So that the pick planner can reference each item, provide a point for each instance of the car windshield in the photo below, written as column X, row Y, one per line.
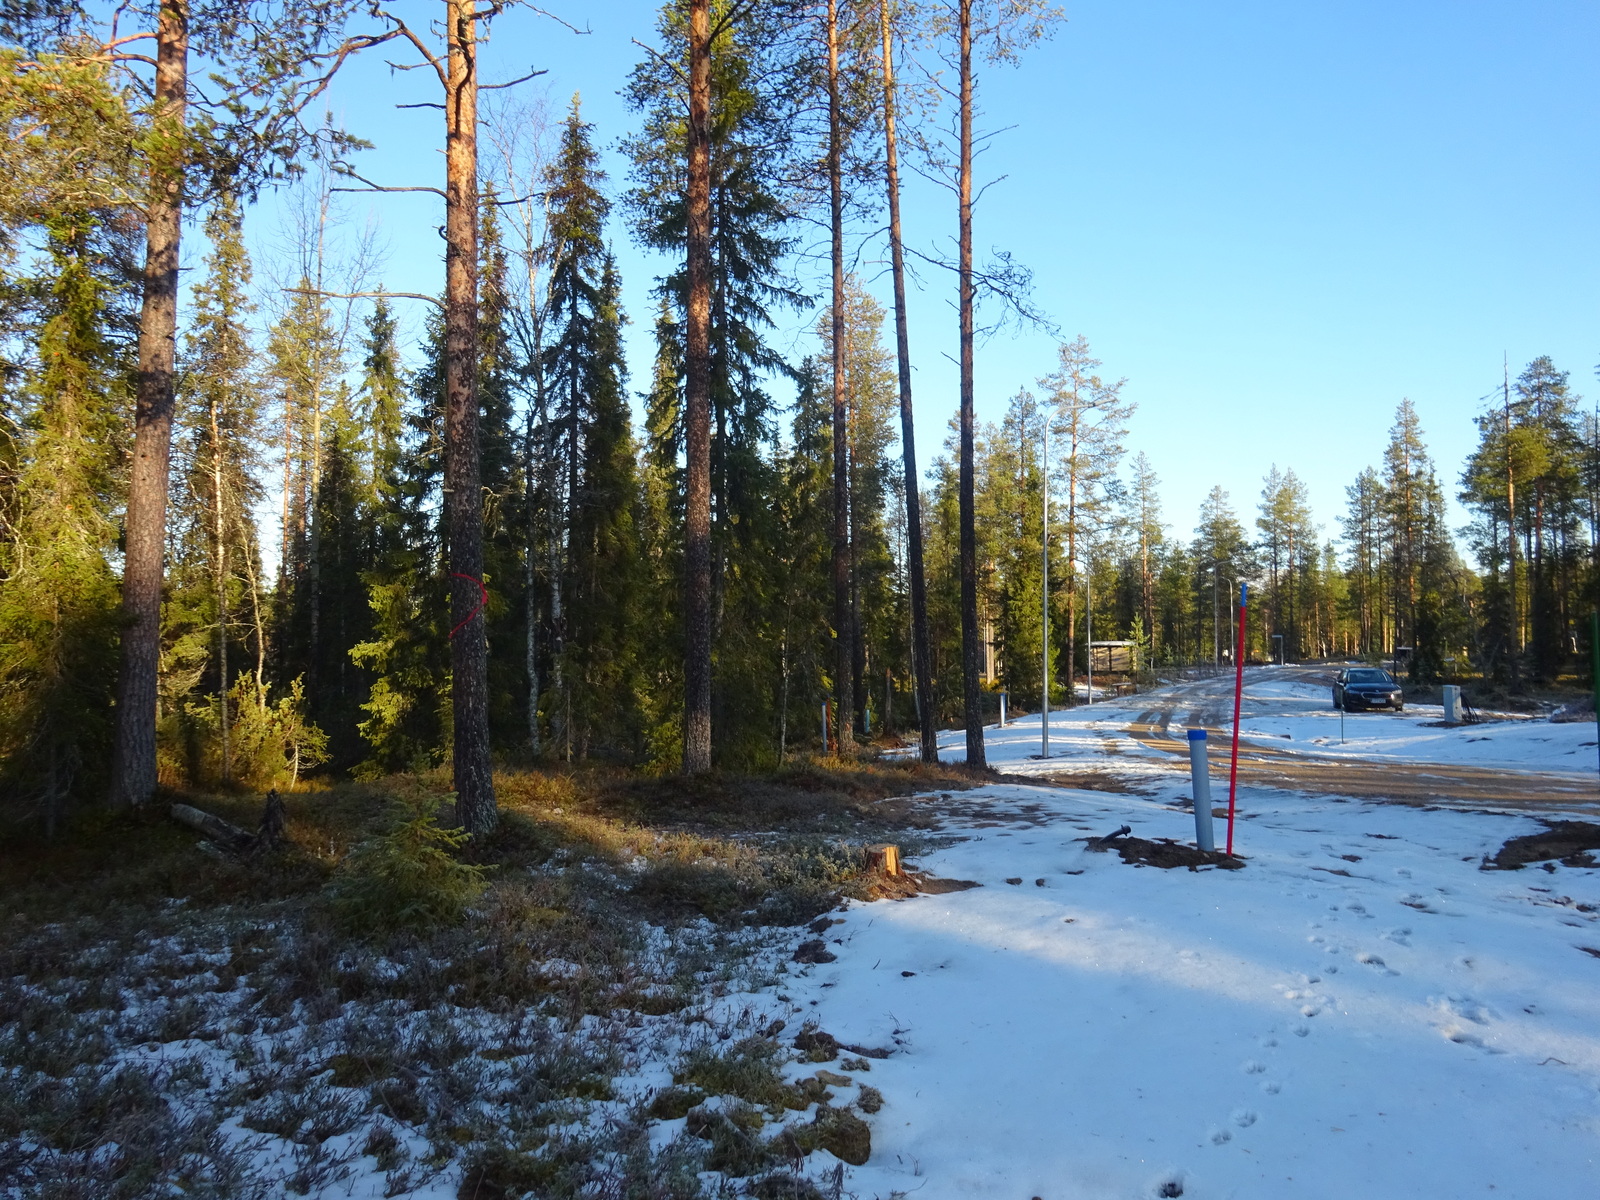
column 1372, row 676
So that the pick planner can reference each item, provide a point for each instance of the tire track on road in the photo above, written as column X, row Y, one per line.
column 1418, row 785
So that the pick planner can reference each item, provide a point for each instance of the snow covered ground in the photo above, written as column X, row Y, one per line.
column 1359, row 1012
column 1303, row 713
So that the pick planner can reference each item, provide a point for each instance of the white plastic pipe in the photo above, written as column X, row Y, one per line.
column 1200, row 777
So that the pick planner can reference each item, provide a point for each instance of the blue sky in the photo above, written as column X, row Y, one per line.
column 1275, row 219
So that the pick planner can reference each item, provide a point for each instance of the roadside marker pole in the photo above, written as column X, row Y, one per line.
column 1200, row 778
column 1238, row 697
column 1594, row 654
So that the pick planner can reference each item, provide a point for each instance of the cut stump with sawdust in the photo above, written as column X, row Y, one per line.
column 884, row 858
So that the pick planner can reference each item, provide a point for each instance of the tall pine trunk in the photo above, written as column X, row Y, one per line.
column 469, row 685
column 843, row 614
column 697, row 403
column 133, row 763
column 970, row 650
column 921, row 666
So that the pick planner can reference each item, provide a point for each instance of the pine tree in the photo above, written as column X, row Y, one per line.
column 1088, row 422
column 1222, row 558
column 1411, row 504
column 1288, row 537
column 867, row 392
column 1366, row 567
column 1145, row 516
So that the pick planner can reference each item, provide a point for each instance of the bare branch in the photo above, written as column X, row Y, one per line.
column 663, row 60
column 379, row 295
column 428, row 55
column 490, row 87
column 344, row 169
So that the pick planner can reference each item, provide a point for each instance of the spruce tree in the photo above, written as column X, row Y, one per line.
column 805, row 510
column 215, row 621
column 58, row 595
column 501, row 468
column 753, row 81
column 571, row 371
column 305, row 367
column 604, row 560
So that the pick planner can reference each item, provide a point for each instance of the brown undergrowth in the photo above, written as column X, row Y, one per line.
column 159, row 996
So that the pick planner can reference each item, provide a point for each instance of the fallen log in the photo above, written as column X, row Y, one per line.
column 225, row 834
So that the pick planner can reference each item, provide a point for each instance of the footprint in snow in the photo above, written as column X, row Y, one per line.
column 1252, row 1067
column 1271, row 1087
column 1244, row 1118
column 1398, row 936
column 1372, row 960
column 1221, row 1137
column 1301, row 1030
column 1465, row 1007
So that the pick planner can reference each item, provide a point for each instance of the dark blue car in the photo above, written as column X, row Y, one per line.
column 1356, row 688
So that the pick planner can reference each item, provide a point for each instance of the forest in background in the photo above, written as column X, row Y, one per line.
column 315, row 594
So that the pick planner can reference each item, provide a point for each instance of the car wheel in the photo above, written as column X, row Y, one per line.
column 1399, row 708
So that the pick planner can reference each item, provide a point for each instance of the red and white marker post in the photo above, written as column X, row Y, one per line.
column 1238, row 697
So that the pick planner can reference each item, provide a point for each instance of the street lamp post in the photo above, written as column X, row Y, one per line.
column 1216, row 640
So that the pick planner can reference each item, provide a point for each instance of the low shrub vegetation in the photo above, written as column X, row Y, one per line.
column 379, row 999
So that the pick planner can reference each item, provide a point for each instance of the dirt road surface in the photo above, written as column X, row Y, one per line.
column 1208, row 703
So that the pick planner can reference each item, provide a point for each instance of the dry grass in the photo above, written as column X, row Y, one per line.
column 155, row 993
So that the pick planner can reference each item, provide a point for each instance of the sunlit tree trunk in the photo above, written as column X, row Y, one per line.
column 843, row 623
column 697, row 403
column 469, row 686
column 133, row 764
column 921, row 667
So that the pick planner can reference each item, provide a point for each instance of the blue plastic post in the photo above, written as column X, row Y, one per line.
column 1200, row 777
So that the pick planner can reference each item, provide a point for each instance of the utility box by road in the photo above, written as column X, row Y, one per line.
column 1452, row 704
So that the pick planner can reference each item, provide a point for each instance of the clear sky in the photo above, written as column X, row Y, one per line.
column 1274, row 218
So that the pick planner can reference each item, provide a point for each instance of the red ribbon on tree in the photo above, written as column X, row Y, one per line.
column 483, row 599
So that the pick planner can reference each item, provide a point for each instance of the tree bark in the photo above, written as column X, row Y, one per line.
column 133, row 763
column 921, row 667
column 843, row 624
column 969, row 534
column 697, row 403
column 469, row 685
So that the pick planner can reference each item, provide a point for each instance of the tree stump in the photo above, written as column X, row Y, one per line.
column 884, row 858
column 273, row 821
